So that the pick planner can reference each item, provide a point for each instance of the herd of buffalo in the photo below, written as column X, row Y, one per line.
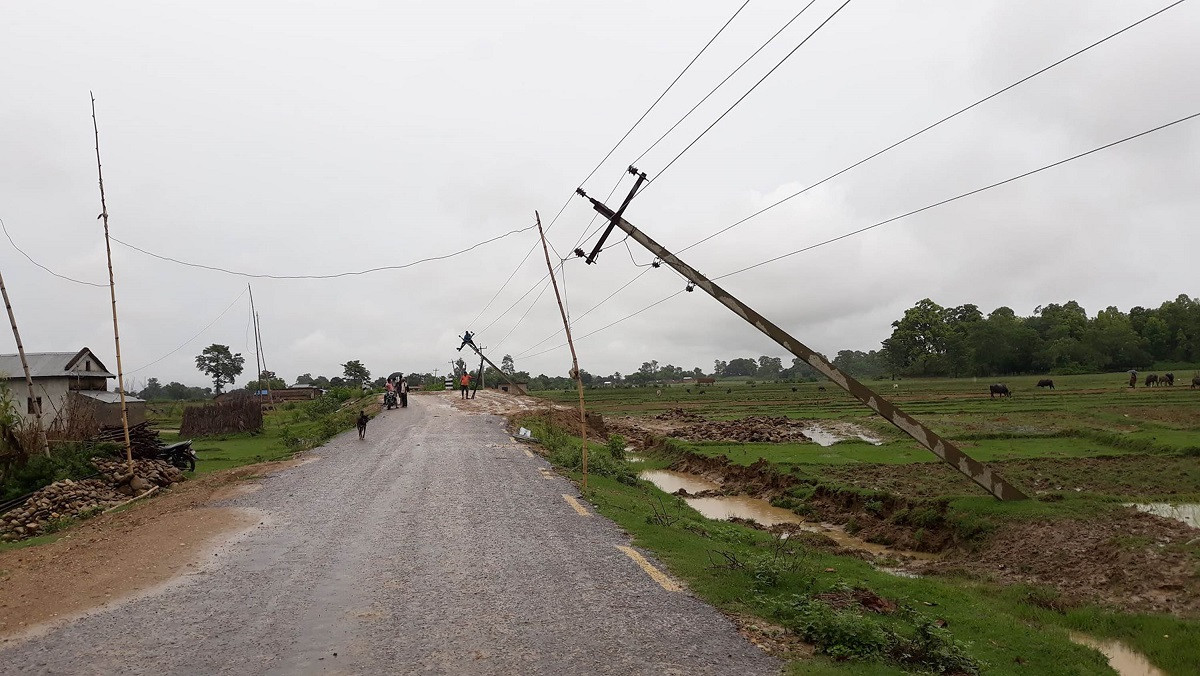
column 1152, row 380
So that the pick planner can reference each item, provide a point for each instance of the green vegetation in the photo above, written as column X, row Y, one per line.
column 66, row 461
column 1081, row 450
column 293, row 427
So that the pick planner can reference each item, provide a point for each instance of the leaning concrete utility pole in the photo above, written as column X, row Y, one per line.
column 33, row 399
column 112, row 290
column 567, row 327
column 973, row 469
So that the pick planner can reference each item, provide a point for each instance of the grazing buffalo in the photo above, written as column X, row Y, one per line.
column 728, row 390
column 1152, row 380
column 1046, row 382
column 1195, row 382
column 1001, row 390
column 1169, row 379
column 706, row 381
column 821, row 388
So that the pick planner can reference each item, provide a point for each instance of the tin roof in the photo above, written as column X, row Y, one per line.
column 50, row 365
column 106, row 397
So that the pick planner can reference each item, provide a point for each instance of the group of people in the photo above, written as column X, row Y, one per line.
column 399, row 387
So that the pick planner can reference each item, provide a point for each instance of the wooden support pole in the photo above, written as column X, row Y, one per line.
column 571, row 343
column 43, row 442
column 942, row 448
column 112, row 291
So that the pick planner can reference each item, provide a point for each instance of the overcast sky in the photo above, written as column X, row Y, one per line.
column 315, row 138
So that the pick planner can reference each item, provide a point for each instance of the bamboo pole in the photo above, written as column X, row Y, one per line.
column 33, row 400
column 112, row 290
column 571, row 343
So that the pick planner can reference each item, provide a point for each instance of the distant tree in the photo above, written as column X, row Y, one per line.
column 356, row 373
column 305, row 379
column 275, row 383
column 507, row 365
column 719, row 368
column 338, row 381
column 218, row 363
column 742, row 366
column 152, row 390
column 769, row 367
column 697, row 372
column 321, row 382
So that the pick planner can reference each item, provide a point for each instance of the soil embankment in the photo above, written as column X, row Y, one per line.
column 119, row 555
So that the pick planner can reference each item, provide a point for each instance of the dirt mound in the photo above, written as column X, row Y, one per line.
column 680, row 415
column 1133, row 561
column 760, row 479
column 761, row 428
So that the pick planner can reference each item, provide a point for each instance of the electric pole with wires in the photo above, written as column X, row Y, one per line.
column 973, row 469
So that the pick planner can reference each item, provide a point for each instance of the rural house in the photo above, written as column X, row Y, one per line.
column 62, row 380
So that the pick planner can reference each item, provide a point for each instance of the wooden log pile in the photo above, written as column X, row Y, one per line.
column 145, row 441
column 242, row 414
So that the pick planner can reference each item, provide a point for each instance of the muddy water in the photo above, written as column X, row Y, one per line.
column 1187, row 513
column 759, row 511
column 670, row 481
column 725, row 507
column 825, row 437
column 1123, row 659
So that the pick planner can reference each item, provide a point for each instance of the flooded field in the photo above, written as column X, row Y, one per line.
column 1187, row 513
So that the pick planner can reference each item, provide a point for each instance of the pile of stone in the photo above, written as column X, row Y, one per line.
column 147, row 472
column 60, row 500
column 755, row 428
column 46, row 509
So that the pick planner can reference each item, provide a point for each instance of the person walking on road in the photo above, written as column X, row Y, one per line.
column 464, row 384
column 402, row 388
column 362, row 424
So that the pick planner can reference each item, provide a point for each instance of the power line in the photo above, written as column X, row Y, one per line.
column 664, row 93
column 30, row 259
column 328, row 276
column 931, row 126
column 605, row 159
column 608, row 326
column 722, row 82
column 892, row 219
column 588, row 312
column 189, row 340
column 962, row 195
column 526, row 314
column 743, row 96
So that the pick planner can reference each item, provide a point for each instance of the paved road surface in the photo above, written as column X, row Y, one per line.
column 435, row 546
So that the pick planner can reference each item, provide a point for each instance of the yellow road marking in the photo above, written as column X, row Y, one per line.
column 654, row 573
column 576, row 506
column 546, row 474
column 528, row 452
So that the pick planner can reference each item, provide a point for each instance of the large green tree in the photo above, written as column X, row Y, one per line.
column 355, row 372
column 218, row 363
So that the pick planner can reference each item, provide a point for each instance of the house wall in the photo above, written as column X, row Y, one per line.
column 53, row 392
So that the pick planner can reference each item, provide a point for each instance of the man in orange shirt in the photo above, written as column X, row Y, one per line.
column 464, row 383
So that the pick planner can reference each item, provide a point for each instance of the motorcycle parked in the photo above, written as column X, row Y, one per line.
column 389, row 400
column 180, row 454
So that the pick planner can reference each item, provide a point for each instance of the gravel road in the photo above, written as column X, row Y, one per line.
column 435, row 546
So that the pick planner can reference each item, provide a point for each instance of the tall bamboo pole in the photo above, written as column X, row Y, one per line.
column 33, row 400
column 574, row 358
column 112, row 290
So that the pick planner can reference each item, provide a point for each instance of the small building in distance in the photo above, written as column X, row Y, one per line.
column 66, row 383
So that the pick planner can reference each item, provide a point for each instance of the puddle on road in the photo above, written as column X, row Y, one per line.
column 1124, row 660
column 669, row 481
column 1188, row 513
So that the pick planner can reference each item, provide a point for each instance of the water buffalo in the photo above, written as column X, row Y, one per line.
column 1195, row 382
column 1169, row 379
column 1152, row 380
column 1000, row 389
column 1046, row 382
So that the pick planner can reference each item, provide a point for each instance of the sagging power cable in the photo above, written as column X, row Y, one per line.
column 929, row 127
column 43, row 267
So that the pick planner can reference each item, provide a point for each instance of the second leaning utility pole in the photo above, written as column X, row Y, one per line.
column 33, row 399
column 574, row 359
column 112, row 291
